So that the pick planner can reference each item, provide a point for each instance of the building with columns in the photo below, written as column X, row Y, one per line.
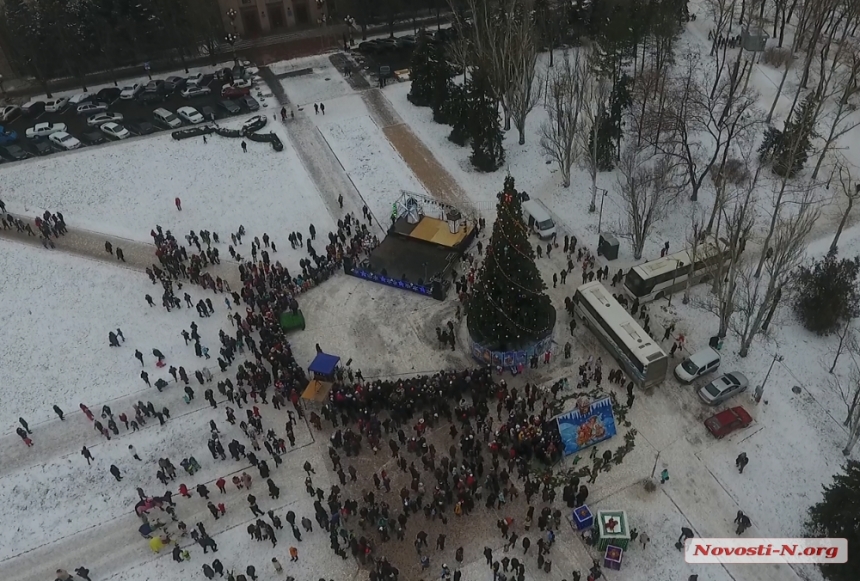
column 259, row 17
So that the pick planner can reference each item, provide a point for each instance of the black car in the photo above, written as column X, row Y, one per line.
column 14, row 152
column 141, row 127
column 33, row 109
column 175, row 83
column 41, row 147
column 370, row 47
column 147, row 98
column 93, row 138
column 250, row 102
column 109, row 94
column 154, row 86
column 230, row 106
column 208, row 113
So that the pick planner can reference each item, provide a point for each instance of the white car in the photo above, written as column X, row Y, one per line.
column 10, row 112
column 44, row 129
column 243, row 84
column 102, row 118
column 195, row 91
column 64, row 141
column 115, row 131
column 56, row 105
column 131, row 91
column 79, row 98
column 87, row 108
column 190, row 114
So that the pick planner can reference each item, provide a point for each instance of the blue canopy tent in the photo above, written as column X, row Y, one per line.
column 323, row 368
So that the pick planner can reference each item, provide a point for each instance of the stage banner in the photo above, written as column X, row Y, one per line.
column 586, row 425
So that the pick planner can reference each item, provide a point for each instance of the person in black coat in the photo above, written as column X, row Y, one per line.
column 274, row 491
column 264, row 469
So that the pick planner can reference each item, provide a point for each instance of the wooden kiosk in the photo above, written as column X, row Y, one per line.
column 323, row 369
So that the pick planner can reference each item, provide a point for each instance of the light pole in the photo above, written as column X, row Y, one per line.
column 678, row 264
column 759, row 391
column 232, row 37
column 600, row 216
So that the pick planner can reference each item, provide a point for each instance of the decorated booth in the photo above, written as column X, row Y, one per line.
column 322, row 370
column 612, row 530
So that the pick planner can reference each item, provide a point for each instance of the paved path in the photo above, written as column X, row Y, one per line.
column 89, row 244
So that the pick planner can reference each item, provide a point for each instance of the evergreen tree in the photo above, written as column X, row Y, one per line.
column 788, row 150
column 827, row 294
column 837, row 516
column 605, row 145
column 619, row 101
column 421, row 72
column 456, row 113
column 485, row 130
column 508, row 308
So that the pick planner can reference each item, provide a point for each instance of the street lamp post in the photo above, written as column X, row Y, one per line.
column 759, row 391
column 678, row 264
column 600, row 216
column 232, row 37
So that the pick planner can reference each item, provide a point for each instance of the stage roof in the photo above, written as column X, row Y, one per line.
column 324, row 364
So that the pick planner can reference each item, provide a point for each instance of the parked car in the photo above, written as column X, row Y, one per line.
column 90, row 108
column 201, row 79
column 93, row 138
column 41, row 148
column 10, row 113
column 141, row 128
column 14, row 152
column 150, row 98
column 230, row 106
column 115, row 131
column 698, row 364
column 101, row 118
column 208, row 113
column 727, row 421
column 109, row 94
column 242, row 84
column 174, row 83
column 64, row 141
column 370, row 47
column 44, row 129
column 33, row 109
column 166, row 118
column 255, row 123
column 79, row 98
column 7, row 137
column 194, row 91
column 154, row 86
column 230, row 92
column 724, row 387
column 250, row 102
column 190, row 114
column 386, row 44
column 131, row 91
column 406, row 42
column 56, row 105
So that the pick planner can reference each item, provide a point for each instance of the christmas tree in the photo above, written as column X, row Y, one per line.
column 836, row 516
column 509, row 309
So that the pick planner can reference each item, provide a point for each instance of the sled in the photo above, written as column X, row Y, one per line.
column 290, row 321
column 160, row 363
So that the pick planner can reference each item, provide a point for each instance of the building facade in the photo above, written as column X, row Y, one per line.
column 258, row 17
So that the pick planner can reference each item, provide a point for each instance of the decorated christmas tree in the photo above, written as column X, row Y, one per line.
column 509, row 309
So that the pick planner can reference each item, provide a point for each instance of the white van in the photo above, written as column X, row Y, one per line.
column 538, row 219
column 167, row 118
column 697, row 365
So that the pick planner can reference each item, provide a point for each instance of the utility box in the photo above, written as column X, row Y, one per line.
column 607, row 246
column 754, row 40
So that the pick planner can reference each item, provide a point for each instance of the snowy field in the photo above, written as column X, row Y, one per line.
column 322, row 85
column 375, row 167
column 125, row 189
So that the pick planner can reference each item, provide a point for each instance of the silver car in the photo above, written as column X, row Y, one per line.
column 724, row 387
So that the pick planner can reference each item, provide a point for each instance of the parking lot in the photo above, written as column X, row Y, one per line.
column 137, row 116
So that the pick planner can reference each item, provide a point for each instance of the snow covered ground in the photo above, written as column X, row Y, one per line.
column 321, row 85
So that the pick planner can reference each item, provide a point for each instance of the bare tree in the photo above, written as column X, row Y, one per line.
column 596, row 98
column 848, row 389
column 695, row 238
column 648, row 187
column 852, row 194
column 847, row 342
column 523, row 90
column 564, row 102
column 842, row 117
column 757, row 296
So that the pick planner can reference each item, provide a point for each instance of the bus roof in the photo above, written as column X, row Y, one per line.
column 627, row 329
column 669, row 263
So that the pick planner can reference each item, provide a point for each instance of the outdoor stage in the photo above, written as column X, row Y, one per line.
column 419, row 249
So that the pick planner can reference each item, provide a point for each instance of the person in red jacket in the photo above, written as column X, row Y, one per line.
column 222, row 485
column 87, row 411
column 178, row 203
column 183, row 490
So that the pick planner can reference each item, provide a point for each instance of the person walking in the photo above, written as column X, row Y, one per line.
column 83, row 573
column 741, row 462
column 116, row 473
column 178, row 203
column 133, row 453
column 664, row 475
column 119, row 254
column 109, row 248
column 322, row 108
column 244, row 147
column 85, row 452
column 59, row 412
column 25, row 425
column 294, row 554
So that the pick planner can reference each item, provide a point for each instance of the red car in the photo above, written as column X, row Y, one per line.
column 231, row 92
column 727, row 421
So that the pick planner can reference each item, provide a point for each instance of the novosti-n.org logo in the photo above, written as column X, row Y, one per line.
column 766, row 550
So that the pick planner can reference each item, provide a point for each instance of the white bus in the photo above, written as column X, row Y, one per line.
column 659, row 278
column 640, row 356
